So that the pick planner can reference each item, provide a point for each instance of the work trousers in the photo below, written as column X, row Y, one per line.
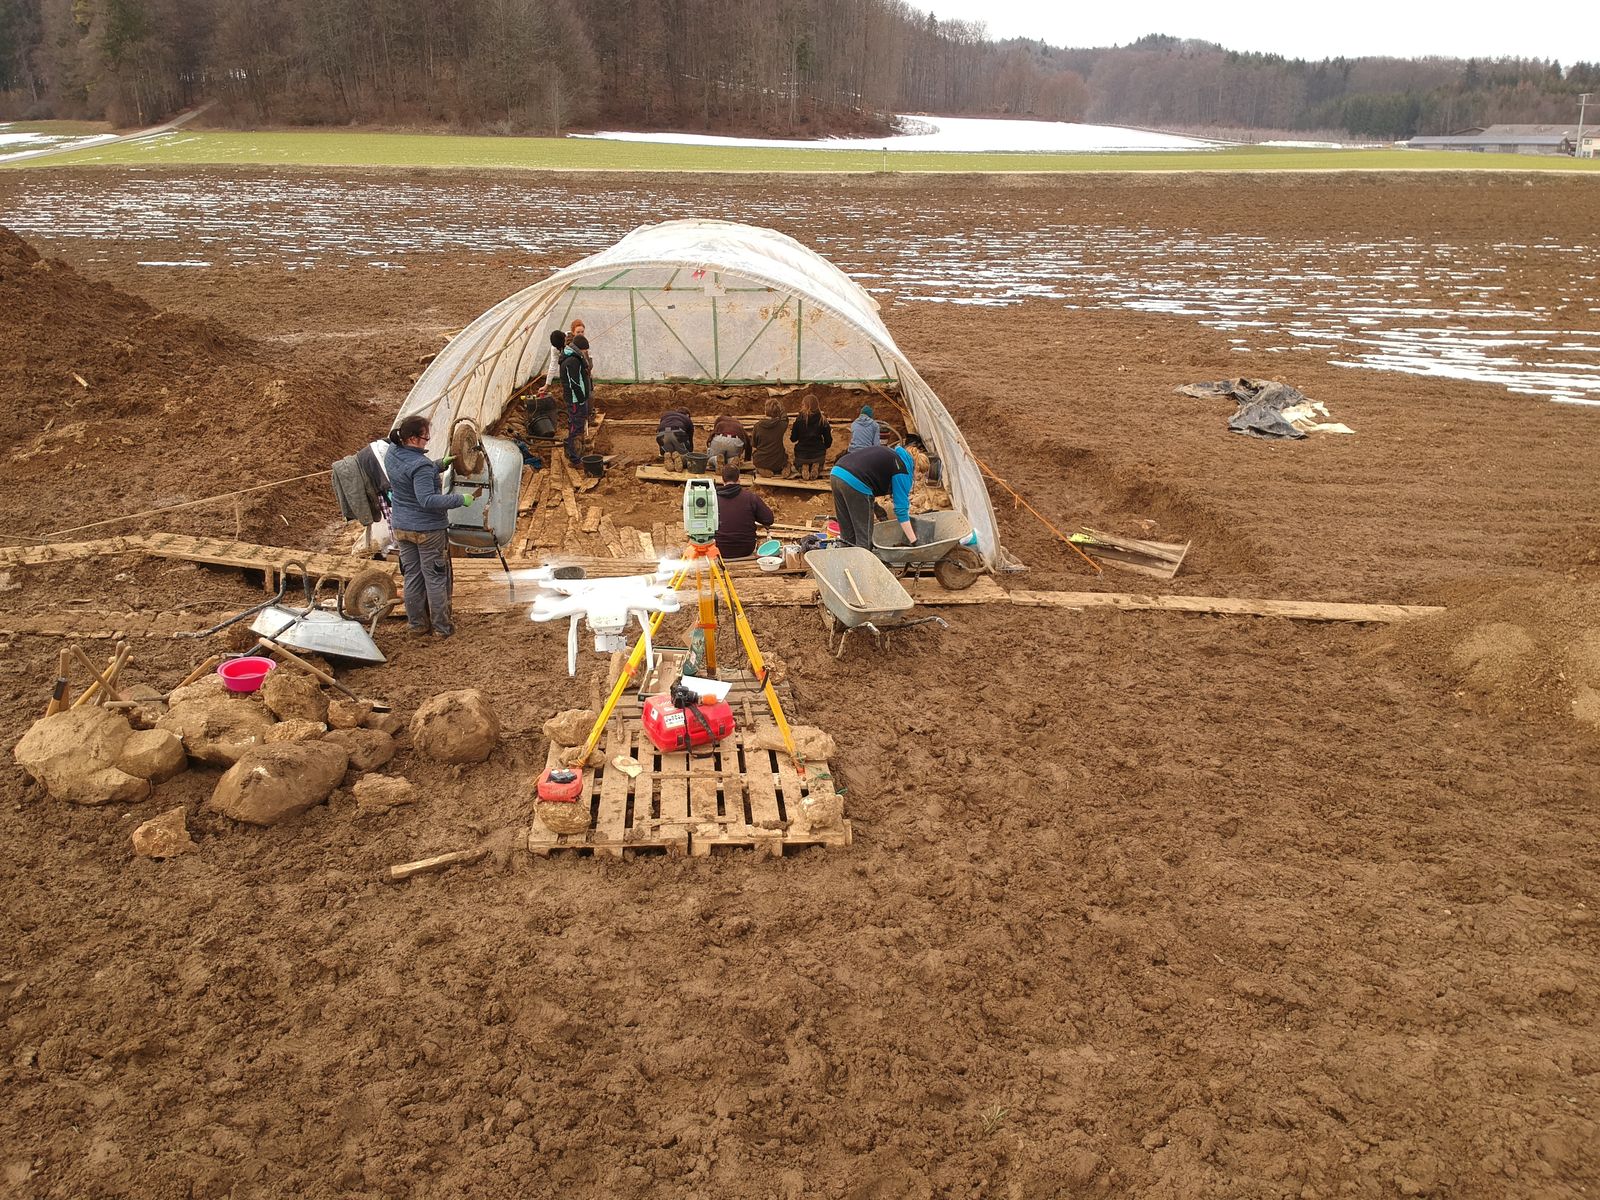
column 673, row 441
column 577, row 423
column 425, row 566
column 723, row 448
column 853, row 511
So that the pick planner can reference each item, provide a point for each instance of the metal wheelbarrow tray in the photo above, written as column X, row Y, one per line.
column 883, row 603
column 938, row 546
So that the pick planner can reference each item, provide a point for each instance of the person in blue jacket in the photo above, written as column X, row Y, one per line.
column 864, row 430
column 858, row 477
column 421, row 527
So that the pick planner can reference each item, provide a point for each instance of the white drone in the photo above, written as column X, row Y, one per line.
column 606, row 604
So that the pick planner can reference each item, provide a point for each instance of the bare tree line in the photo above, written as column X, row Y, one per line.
column 784, row 67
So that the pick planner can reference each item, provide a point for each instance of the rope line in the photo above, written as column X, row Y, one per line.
column 1017, row 496
column 150, row 512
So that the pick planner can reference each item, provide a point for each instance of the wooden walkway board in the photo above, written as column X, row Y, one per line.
column 1298, row 610
column 655, row 474
column 222, row 552
column 690, row 804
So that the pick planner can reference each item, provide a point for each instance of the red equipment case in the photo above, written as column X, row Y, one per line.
column 673, row 728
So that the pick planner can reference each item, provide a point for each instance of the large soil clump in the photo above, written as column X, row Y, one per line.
column 115, row 407
column 1519, row 650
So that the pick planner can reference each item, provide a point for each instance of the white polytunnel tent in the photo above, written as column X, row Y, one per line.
column 698, row 301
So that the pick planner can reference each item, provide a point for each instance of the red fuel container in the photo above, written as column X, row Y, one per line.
column 673, row 728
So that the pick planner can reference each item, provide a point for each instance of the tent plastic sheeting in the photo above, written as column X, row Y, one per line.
column 698, row 301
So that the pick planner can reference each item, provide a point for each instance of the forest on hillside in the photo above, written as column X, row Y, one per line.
column 776, row 67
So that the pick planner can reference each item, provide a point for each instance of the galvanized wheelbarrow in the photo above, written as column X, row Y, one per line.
column 938, row 547
column 859, row 592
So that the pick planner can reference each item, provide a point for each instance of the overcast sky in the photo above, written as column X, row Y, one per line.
column 1566, row 31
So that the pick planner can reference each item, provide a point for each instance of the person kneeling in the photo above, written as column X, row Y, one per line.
column 739, row 511
column 675, row 437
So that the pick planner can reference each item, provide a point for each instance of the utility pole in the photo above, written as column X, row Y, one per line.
column 1583, row 103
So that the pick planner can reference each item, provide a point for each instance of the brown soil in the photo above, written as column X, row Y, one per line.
column 1139, row 904
column 119, row 407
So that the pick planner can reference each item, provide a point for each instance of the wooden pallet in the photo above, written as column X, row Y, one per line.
column 691, row 804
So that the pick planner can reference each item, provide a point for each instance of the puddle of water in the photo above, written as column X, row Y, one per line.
column 1389, row 304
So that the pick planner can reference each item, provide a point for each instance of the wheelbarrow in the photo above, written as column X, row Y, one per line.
column 940, row 546
column 857, row 591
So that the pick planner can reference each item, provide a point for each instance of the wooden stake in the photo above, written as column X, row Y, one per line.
column 438, row 863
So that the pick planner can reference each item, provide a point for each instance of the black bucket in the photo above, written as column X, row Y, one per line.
column 594, row 464
column 694, row 464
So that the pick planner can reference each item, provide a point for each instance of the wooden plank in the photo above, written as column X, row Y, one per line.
column 766, row 823
column 610, row 536
column 793, row 792
column 530, row 485
column 591, row 519
column 647, row 823
column 555, row 480
column 651, row 473
column 674, row 792
column 790, row 789
column 1297, row 610
column 526, row 529
column 439, row 862
column 703, row 789
column 1160, row 559
column 610, row 827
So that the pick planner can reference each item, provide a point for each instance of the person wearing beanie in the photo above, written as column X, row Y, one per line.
column 864, row 430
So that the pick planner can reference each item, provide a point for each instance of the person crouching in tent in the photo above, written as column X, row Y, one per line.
column 675, row 436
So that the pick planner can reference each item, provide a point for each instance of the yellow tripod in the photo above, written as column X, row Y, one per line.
column 712, row 577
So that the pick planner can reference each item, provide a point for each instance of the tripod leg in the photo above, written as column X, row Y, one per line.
column 747, row 637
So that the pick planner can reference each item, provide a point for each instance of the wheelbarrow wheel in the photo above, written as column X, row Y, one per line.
column 466, row 448
column 958, row 569
column 369, row 592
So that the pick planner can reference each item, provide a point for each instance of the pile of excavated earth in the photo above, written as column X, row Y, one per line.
column 115, row 407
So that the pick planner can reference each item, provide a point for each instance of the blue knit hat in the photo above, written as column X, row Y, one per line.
column 866, row 410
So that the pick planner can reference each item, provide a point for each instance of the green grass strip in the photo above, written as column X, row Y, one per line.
column 339, row 148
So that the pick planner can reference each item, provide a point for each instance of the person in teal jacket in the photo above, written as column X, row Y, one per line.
column 860, row 476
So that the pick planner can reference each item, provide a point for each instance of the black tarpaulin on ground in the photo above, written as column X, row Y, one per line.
column 1261, row 405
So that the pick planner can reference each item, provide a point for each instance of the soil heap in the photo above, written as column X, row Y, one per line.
column 1516, row 650
column 115, row 407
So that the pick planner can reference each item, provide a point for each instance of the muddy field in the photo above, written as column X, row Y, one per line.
column 1139, row 905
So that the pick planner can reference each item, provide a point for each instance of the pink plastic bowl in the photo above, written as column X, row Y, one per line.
column 245, row 674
